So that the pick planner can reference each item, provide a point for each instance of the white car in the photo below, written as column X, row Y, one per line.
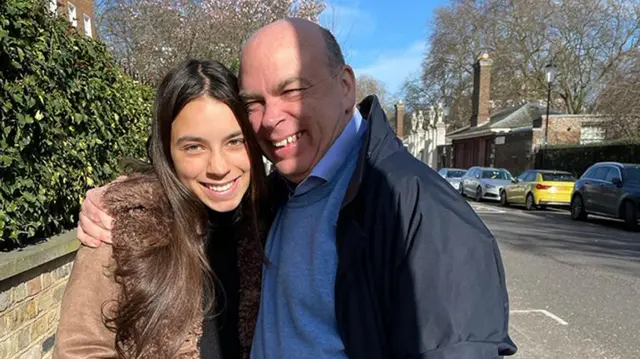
column 453, row 176
column 483, row 183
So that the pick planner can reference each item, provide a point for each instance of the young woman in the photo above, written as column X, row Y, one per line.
column 184, row 222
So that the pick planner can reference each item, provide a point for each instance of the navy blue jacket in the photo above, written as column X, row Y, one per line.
column 419, row 274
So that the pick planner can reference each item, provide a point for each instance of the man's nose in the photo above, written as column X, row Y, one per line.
column 273, row 114
column 218, row 165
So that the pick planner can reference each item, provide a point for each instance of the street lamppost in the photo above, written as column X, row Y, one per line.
column 550, row 75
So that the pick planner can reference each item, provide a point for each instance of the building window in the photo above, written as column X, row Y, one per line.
column 591, row 134
column 72, row 15
column 87, row 25
column 53, row 6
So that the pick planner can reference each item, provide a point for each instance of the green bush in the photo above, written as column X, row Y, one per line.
column 68, row 115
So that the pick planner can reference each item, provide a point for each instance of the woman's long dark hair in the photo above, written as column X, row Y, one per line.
column 164, row 284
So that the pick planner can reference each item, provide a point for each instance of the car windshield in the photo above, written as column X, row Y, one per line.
column 558, row 177
column 496, row 174
column 455, row 173
column 632, row 174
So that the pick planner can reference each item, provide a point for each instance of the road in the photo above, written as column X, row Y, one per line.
column 574, row 287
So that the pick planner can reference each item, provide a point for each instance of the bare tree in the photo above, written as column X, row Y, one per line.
column 587, row 40
column 149, row 36
column 368, row 85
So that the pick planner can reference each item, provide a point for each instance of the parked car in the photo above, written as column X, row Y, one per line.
column 538, row 189
column 484, row 183
column 453, row 176
column 608, row 189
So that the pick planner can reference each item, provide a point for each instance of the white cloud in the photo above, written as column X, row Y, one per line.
column 392, row 68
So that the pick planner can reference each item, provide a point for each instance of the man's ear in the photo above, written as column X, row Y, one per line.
column 348, row 85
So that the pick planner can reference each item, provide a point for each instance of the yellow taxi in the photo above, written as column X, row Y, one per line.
column 538, row 189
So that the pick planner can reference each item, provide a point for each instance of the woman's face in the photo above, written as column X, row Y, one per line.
column 209, row 154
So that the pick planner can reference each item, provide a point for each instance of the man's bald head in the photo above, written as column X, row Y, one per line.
column 306, row 33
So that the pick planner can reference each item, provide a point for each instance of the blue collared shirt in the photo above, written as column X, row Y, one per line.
column 329, row 164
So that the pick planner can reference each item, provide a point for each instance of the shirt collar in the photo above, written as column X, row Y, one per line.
column 328, row 166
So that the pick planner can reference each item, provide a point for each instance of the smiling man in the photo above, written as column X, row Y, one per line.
column 372, row 255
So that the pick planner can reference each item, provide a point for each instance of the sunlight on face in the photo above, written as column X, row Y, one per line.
column 209, row 154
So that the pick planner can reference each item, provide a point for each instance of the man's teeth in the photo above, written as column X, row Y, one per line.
column 220, row 188
column 286, row 141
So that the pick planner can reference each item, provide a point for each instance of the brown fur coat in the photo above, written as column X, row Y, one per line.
column 142, row 217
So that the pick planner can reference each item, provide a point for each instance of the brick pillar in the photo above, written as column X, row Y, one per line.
column 400, row 119
column 481, row 90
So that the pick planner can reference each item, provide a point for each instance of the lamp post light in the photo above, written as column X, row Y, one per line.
column 550, row 75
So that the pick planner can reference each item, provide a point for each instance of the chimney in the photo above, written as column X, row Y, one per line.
column 400, row 119
column 481, row 90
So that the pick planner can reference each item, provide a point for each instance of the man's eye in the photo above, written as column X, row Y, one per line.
column 292, row 92
column 252, row 106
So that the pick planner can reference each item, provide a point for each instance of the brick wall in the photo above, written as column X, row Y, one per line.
column 32, row 283
column 563, row 129
column 83, row 7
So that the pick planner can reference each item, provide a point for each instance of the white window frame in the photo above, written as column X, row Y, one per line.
column 73, row 14
column 53, row 6
column 87, row 25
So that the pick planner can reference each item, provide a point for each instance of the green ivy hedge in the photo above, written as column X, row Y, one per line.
column 68, row 115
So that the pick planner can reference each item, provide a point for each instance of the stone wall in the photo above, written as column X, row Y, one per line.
column 32, row 283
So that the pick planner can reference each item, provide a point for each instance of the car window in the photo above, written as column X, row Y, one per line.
column 442, row 172
column 496, row 174
column 472, row 172
column 558, row 177
column 523, row 175
column 613, row 172
column 590, row 173
column 455, row 173
column 600, row 173
column 631, row 174
column 531, row 177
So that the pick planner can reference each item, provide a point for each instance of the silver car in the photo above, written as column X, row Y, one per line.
column 453, row 176
column 483, row 183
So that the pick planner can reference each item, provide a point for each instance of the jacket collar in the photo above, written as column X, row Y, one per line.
column 380, row 142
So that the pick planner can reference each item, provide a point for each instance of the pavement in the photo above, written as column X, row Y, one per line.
column 574, row 287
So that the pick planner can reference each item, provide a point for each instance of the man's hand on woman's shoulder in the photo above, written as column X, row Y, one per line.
column 95, row 223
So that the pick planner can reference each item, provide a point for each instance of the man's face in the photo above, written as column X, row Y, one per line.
column 297, row 105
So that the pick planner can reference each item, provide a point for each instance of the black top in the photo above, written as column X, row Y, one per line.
column 221, row 329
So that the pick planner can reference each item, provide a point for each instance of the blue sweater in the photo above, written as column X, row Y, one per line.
column 297, row 309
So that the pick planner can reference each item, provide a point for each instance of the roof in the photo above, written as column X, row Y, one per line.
column 504, row 120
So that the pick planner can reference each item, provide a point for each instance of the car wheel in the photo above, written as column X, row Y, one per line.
column 531, row 203
column 478, row 194
column 503, row 199
column 578, row 212
column 630, row 216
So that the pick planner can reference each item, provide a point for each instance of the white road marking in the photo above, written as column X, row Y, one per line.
column 542, row 311
column 487, row 209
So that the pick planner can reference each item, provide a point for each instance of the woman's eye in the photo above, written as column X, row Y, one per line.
column 192, row 148
column 237, row 142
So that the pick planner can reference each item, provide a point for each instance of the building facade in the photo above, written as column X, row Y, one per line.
column 79, row 13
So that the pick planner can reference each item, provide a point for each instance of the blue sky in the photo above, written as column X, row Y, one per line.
column 382, row 38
